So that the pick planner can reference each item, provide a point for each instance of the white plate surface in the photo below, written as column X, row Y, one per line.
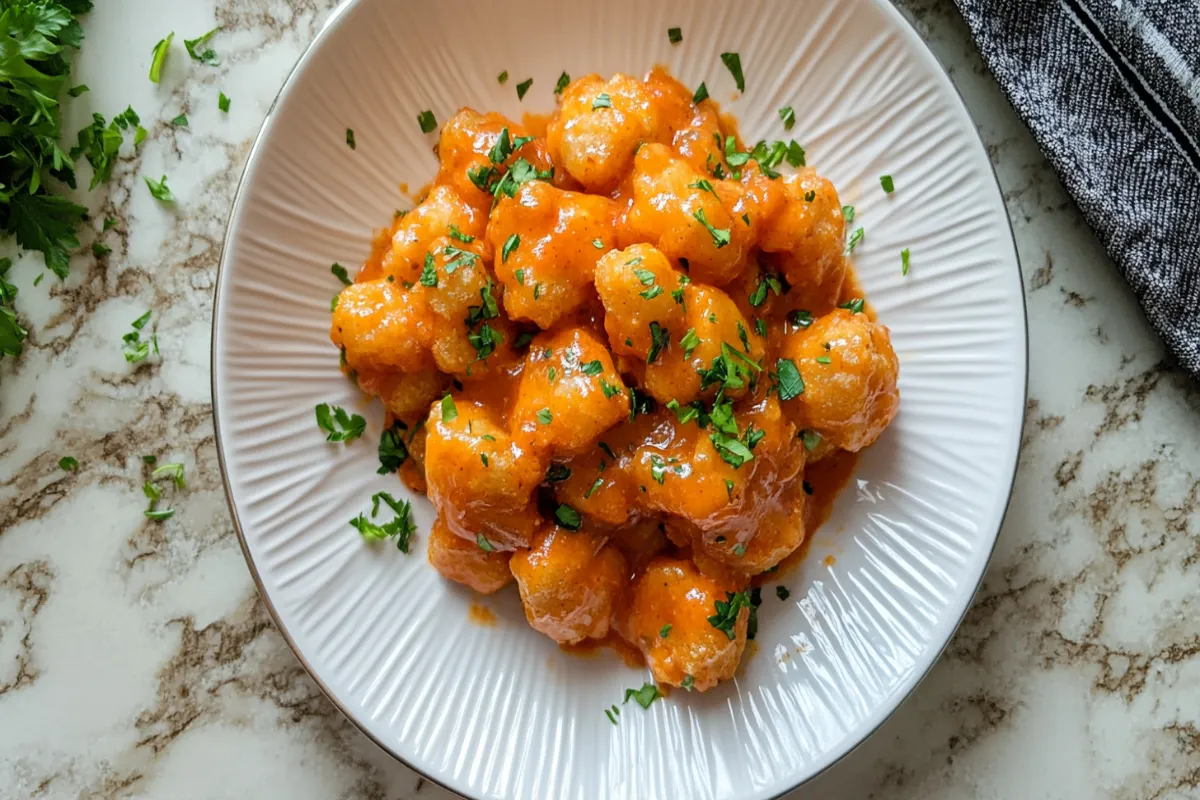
column 500, row 712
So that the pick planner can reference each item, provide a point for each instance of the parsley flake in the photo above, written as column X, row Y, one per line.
column 788, row 115
column 502, row 77
column 854, row 306
column 720, row 236
column 660, row 337
column 644, row 696
column 523, row 87
column 158, row 57
column 427, row 121
column 725, row 620
column 160, row 190
column 544, row 416
column 855, row 238
column 483, row 544
column 564, row 81
column 510, row 244
column 392, row 450
column 568, row 517
column 68, row 464
column 400, row 528
column 790, row 383
column 674, row 35
column 338, row 424
column 602, row 101
column 207, row 56
column 223, row 104
column 886, row 182
column 701, row 95
column 449, row 410
column 904, row 261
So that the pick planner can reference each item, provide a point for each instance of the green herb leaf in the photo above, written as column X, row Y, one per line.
column 704, row 186
column 523, row 87
column 429, row 275
column 904, row 261
column 392, row 450
column 644, row 696
column 502, row 77
column 788, row 115
column 596, row 484
column 733, row 62
column 158, row 57
column 602, row 101
column 483, row 544
column 427, row 121
column 854, row 306
column 811, row 439
column 160, row 190
column 608, row 389
column 795, row 157
column 701, row 94
column 855, row 238
column 350, row 140
column 75, row 91
column 660, row 337
column 887, row 183
column 687, row 683
column 99, row 249
column 556, row 473
column 564, row 81
column 689, row 341
column 725, row 620
column 449, row 410
column 568, row 517
column 340, row 273
column 180, row 122
column 400, row 528
column 68, row 464
column 510, row 244
column 593, row 368
column 720, row 236
column 207, row 56
column 823, row 360
column 339, row 425
column 790, row 383
column 674, row 35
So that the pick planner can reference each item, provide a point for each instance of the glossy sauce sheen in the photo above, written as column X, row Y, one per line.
column 591, row 334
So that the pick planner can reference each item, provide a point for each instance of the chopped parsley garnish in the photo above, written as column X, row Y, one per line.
column 109, row 223
column 339, row 425
column 790, row 383
column 904, row 261
column 855, row 238
column 704, row 186
column 689, row 341
column 596, row 243
column 556, row 473
column 455, row 233
column 392, row 450
column 686, row 414
column 207, row 56
column 782, row 592
column 701, row 95
column 811, row 439
column 612, row 714
column 731, row 449
column 651, row 293
column 788, row 116
column 644, row 696
column 136, row 350
column 823, row 360
column 608, row 389
column 739, row 550
column 674, row 35
column 742, row 334
column 595, row 485
column 660, row 337
column 160, row 190
column 688, row 683
column 593, row 368
column 99, row 249
column 401, row 527
column 519, row 274
column 427, row 121
column 887, row 183
column 645, row 276
column 481, row 177
column 223, row 104
column 568, row 517
column 848, row 213
column 729, row 489
column 483, row 544
column 502, row 77
column 449, row 410
column 664, row 631
column 795, row 157
column 564, row 81
column 602, row 101
column 502, row 149
column 760, row 326
column 809, row 196
column 854, row 306
column 75, row 91
column 523, row 87
column 733, row 62
column 429, row 272
column 485, row 340
column 510, row 244
column 483, row 457
column 720, row 236
column 457, row 257
column 180, row 122
column 550, row 373
column 767, row 281
column 544, row 416
column 639, row 403
column 68, row 464
column 340, row 273
column 154, row 494
column 725, row 620
column 158, row 57
column 607, row 450
column 801, row 318
column 523, row 339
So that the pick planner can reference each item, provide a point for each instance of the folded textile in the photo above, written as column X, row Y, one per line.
column 1111, row 91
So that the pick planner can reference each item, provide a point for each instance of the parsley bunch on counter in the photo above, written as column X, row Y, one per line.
column 37, row 38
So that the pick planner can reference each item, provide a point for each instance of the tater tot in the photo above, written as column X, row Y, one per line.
column 480, row 480
column 849, row 371
column 714, row 335
column 440, row 212
column 638, row 287
column 597, row 128
column 665, row 614
column 469, row 337
column 547, row 243
column 465, row 562
column 691, row 216
column 808, row 235
column 466, row 149
column 381, row 327
column 406, row 395
column 569, row 583
column 570, row 393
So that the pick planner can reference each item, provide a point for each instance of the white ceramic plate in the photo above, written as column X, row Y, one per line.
column 500, row 712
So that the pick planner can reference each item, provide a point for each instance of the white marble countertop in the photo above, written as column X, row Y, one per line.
column 137, row 661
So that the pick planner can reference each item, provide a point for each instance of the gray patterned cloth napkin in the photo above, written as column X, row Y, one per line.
column 1111, row 91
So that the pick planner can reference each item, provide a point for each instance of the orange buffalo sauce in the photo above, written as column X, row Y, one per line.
column 626, row 356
